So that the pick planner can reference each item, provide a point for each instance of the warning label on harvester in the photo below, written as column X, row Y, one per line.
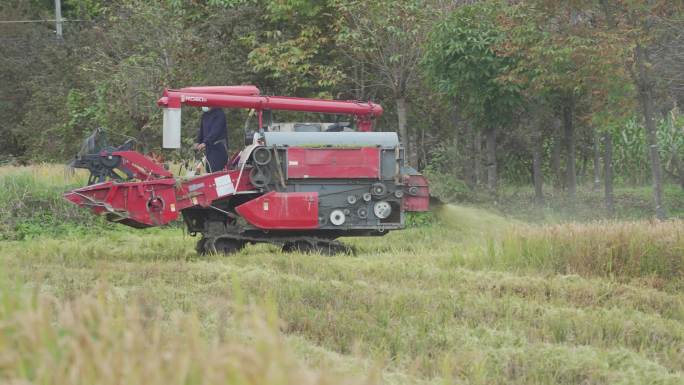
column 224, row 185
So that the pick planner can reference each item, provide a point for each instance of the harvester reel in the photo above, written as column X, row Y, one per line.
column 96, row 156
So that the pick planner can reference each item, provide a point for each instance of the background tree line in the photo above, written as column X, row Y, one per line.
column 484, row 94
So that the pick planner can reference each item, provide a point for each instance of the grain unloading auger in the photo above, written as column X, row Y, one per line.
column 300, row 190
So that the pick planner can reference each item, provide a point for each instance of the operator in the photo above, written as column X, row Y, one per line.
column 212, row 137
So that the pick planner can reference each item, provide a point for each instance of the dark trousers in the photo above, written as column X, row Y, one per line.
column 217, row 157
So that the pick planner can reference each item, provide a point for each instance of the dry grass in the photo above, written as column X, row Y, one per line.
column 472, row 298
column 640, row 249
column 98, row 339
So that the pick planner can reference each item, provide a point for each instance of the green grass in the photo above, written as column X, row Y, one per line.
column 465, row 296
column 31, row 204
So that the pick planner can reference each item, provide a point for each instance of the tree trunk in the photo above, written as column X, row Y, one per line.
column 679, row 168
column 608, row 173
column 360, row 80
column 537, row 175
column 468, row 163
column 413, row 154
column 646, row 86
column 556, row 158
column 491, row 161
column 597, row 160
column 403, row 131
column 477, row 154
column 471, row 154
column 569, row 133
column 423, row 152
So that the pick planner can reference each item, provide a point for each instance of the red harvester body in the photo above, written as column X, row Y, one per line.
column 301, row 190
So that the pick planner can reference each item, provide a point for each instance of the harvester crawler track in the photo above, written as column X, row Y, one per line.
column 233, row 243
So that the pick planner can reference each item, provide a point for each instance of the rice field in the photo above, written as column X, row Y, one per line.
column 466, row 297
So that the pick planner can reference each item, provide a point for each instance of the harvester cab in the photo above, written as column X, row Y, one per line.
column 300, row 185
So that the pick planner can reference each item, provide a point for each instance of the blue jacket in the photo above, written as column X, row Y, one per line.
column 213, row 133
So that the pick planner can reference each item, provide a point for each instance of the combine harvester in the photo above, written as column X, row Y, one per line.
column 299, row 190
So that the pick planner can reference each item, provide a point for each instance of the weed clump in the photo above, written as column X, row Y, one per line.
column 32, row 205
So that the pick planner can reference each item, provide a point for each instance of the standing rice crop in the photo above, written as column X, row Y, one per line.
column 604, row 248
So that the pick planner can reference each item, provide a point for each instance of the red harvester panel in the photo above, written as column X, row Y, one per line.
column 337, row 163
column 421, row 200
column 276, row 210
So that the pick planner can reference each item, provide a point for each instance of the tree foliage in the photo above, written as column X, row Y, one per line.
column 463, row 61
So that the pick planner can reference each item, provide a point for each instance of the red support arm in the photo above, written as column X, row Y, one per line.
column 363, row 111
column 248, row 90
